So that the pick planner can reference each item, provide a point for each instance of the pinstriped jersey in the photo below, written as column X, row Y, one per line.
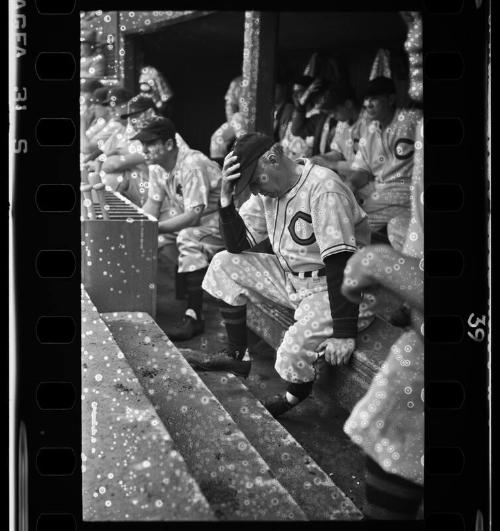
column 318, row 217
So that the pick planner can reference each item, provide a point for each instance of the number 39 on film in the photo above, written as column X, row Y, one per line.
column 478, row 326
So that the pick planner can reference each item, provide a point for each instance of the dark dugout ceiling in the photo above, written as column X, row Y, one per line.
column 222, row 32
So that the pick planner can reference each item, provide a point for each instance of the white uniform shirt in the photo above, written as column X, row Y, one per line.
column 318, row 217
column 194, row 181
column 388, row 155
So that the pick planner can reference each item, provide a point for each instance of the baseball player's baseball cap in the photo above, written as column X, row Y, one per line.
column 156, row 128
column 99, row 96
column 379, row 86
column 248, row 148
column 137, row 105
column 117, row 96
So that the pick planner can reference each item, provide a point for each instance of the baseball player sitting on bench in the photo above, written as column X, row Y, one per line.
column 314, row 225
column 183, row 195
column 383, row 165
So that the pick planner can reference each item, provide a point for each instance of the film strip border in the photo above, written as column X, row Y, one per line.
column 47, row 250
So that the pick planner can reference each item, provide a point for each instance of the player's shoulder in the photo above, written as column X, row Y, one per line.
column 196, row 161
column 192, row 157
column 408, row 116
column 323, row 180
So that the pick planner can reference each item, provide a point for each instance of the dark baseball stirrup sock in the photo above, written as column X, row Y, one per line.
column 389, row 496
column 300, row 390
column 235, row 321
column 193, row 281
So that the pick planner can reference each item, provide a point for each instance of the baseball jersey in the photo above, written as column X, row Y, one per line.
column 194, row 181
column 347, row 136
column 388, row 156
column 318, row 217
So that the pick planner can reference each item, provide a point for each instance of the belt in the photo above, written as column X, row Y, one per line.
column 306, row 274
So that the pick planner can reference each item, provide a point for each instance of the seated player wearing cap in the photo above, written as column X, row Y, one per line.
column 385, row 161
column 184, row 187
column 91, row 123
column 124, row 164
column 351, row 123
column 314, row 225
column 312, row 119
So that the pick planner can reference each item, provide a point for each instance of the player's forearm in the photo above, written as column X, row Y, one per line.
column 344, row 312
column 92, row 155
column 116, row 163
column 233, row 229
column 330, row 160
column 177, row 223
column 344, row 170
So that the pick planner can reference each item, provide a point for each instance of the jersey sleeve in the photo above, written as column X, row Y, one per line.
column 195, row 188
column 333, row 223
column 252, row 213
column 156, row 191
column 361, row 159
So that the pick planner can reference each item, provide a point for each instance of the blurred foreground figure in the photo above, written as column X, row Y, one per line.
column 388, row 422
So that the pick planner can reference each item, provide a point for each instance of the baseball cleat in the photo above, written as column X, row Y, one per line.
column 223, row 360
column 278, row 405
column 186, row 329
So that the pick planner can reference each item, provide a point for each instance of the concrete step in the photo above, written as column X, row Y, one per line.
column 234, row 478
column 347, row 384
column 309, row 485
column 131, row 468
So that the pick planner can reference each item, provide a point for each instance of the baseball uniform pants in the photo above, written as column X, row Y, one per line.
column 191, row 248
column 256, row 277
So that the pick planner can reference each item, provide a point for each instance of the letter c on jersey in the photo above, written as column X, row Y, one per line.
column 293, row 234
column 403, row 149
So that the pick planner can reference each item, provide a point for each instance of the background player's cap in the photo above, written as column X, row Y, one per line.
column 117, row 96
column 380, row 86
column 156, row 128
column 248, row 148
column 137, row 105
